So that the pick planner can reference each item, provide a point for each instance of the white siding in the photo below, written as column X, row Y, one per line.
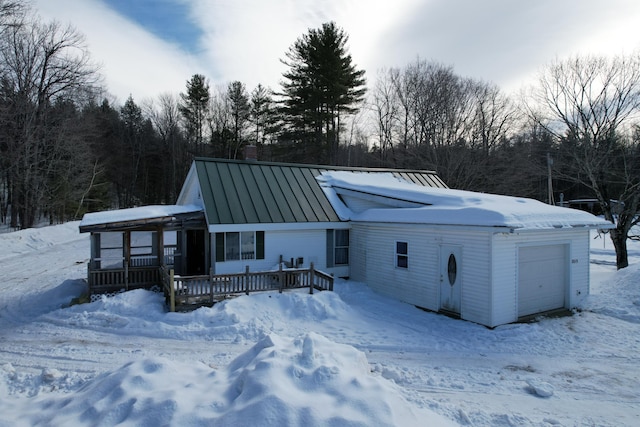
column 419, row 284
column 190, row 192
column 504, row 275
column 505, row 268
column 476, row 280
column 579, row 278
column 374, row 263
column 489, row 266
column 308, row 244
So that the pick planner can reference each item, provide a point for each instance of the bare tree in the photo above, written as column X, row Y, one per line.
column 43, row 64
column 165, row 116
column 12, row 13
column 590, row 105
column 431, row 118
column 495, row 116
column 385, row 105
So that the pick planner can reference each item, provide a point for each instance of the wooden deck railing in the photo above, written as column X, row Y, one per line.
column 189, row 291
column 116, row 279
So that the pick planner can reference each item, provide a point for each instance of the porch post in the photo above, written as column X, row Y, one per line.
column 127, row 256
column 160, row 248
column 172, row 292
column 246, row 279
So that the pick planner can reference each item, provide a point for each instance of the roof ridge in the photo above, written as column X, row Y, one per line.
column 313, row 166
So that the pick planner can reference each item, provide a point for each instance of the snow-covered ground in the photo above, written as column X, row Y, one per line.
column 350, row 357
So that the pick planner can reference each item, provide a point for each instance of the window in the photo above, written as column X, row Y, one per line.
column 109, row 250
column 402, row 255
column 452, row 269
column 337, row 248
column 143, row 244
column 232, row 246
column 342, row 247
column 236, row 245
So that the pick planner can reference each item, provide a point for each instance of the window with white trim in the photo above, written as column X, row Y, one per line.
column 239, row 245
column 341, row 247
column 337, row 247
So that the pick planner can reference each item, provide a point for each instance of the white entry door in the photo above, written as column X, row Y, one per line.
column 450, row 278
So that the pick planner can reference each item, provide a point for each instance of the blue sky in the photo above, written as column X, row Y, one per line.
column 150, row 47
column 167, row 19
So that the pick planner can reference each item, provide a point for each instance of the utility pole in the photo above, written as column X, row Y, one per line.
column 549, row 181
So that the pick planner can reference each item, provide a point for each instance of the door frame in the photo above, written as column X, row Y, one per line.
column 450, row 294
column 195, row 251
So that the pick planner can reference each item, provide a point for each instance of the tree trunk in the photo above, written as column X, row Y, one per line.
column 620, row 244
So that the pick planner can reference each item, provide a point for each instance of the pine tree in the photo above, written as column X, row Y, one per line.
column 321, row 86
column 261, row 105
column 195, row 110
column 240, row 110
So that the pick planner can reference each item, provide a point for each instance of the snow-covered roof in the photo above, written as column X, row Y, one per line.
column 142, row 213
column 443, row 206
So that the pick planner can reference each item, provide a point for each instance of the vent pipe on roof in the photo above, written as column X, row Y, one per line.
column 251, row 153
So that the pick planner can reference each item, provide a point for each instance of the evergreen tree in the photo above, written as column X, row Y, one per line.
column 130, row 152
column 240, row 109
column 321, row 86
column 195, row 110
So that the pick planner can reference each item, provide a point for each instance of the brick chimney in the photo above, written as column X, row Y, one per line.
column 251, row 153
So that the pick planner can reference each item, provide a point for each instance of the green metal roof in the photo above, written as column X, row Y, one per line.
column 250, row 192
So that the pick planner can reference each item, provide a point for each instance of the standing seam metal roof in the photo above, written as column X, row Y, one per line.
column 249, row 192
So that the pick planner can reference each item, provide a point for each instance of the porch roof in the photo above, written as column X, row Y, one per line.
column 140, row 217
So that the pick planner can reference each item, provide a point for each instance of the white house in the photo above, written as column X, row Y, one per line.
column 485, row 258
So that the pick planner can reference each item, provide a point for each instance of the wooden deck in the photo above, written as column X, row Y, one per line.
column 189, row 292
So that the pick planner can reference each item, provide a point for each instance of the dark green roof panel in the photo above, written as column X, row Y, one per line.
column 246, row 192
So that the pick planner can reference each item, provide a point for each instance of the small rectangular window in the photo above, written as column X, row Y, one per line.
column 342, row 247
column 337, row 247
column 232, row 249
column 402, row 255
column 248, row 245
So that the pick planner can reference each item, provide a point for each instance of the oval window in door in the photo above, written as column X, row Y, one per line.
column 452, row 269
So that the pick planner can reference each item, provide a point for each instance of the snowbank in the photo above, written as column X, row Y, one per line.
column 306, row 381
column 35, row 239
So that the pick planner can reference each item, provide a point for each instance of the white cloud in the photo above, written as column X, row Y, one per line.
column 501, row 41
column 246, row 39
column 132, row 60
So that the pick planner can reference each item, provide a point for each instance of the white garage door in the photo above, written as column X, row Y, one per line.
column 542, row 278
